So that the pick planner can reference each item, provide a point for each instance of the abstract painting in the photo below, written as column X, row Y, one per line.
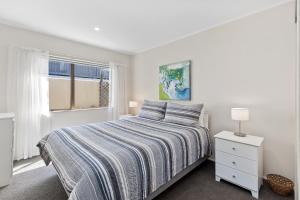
column 174, row 81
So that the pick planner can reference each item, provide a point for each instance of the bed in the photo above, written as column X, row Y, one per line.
column 127, row 159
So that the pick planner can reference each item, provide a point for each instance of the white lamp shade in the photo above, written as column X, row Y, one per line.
column 133, row 104
column 240, row 114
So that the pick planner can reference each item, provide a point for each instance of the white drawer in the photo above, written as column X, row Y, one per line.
column 245, row 180
column 236, row 162
column 238, row 149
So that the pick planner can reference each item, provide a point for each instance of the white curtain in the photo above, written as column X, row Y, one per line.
column 27, row 97
column 118, row 92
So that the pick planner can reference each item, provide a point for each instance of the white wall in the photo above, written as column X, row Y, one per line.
column 250, row 63
column 297, row 156
column 19, row 37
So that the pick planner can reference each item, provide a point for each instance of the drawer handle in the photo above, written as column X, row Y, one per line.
column 233, row 176
column 233, row 148
column 233, row 162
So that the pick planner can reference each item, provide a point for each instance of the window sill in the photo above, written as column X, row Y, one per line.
column 79, row 110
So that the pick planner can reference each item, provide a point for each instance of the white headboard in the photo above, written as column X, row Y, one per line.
column 203, row 120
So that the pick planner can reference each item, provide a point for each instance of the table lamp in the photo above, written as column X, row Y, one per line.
column 240, row 114
column 133, row 104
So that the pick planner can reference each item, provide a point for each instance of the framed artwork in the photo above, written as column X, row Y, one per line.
column 175, row 81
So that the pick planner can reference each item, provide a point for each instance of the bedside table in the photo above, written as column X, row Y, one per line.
column 125, row 116
column 239, row 160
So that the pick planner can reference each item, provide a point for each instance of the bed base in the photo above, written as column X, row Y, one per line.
column 175, row 179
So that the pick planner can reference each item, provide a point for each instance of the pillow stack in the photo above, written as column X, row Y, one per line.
column 187, row 115
column 153, row 110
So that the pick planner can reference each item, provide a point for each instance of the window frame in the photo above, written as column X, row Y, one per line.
column 72, row 82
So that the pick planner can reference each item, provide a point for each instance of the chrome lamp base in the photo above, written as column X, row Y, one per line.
column 239, row 134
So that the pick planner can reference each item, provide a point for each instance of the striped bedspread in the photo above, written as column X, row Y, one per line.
column 121, row 160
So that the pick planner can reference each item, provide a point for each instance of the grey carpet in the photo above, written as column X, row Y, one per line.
column 43, row 184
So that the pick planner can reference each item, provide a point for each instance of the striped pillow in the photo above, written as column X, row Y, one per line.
column 153, row 110
column 187, row 115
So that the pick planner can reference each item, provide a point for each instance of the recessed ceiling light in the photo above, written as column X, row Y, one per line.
column 96, row 28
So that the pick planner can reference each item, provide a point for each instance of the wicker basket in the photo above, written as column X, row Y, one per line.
column 280, row 185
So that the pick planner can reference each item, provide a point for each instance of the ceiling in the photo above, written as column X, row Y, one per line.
column 129, row 26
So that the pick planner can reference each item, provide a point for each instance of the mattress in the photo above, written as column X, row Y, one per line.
column 123, row 159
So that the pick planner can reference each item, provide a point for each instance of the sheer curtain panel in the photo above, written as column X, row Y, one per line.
column 27, row 97
column 118, row 90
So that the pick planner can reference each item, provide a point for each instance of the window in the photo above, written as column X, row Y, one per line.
column 78, row 85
